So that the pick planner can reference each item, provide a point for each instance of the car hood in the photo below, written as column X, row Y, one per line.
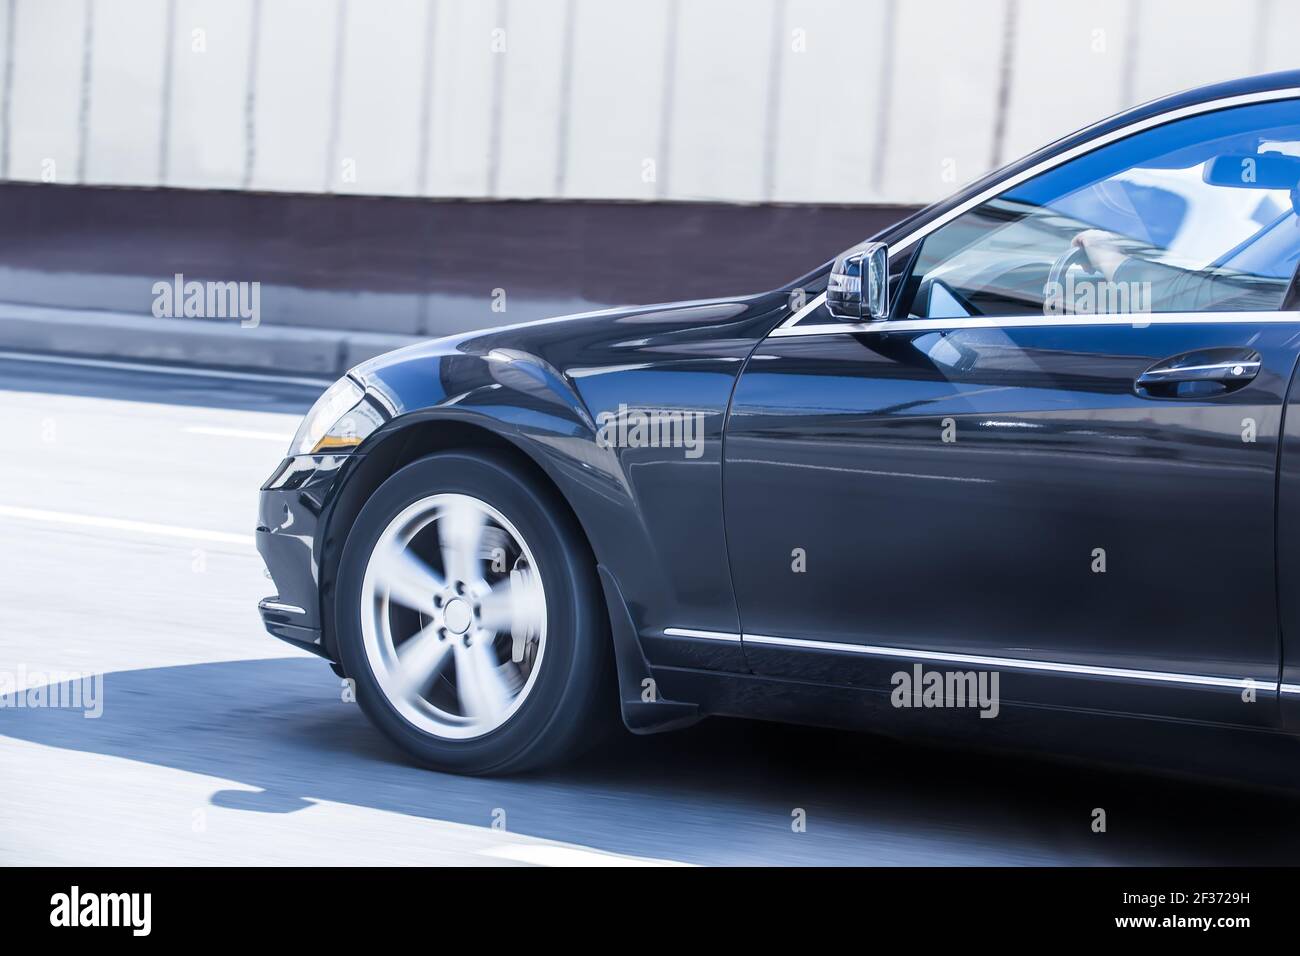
column 605, row 337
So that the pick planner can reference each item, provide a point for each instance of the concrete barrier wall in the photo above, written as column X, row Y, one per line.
column 340, row 278
column 818, row 101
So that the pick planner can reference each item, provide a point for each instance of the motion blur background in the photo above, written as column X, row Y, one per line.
column 823, row 101
column 570, row 153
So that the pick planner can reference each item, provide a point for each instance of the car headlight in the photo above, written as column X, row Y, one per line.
column 339, row 421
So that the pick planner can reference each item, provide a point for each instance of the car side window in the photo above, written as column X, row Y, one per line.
column 1200, row 214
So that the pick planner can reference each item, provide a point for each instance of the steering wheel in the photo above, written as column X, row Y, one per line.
column 1074, row 256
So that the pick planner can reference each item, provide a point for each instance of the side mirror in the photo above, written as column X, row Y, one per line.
column 859, row 284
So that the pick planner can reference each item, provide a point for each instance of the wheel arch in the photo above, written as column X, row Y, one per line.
column 397, row 448
column 427, row 436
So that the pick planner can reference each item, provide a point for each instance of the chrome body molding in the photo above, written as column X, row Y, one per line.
column 702, row 635
column 1014, row 663
column 980, row 660
column 280, row 606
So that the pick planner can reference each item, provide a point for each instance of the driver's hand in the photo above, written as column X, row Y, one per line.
column 1102, row 249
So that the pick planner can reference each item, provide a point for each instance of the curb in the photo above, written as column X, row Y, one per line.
column 116, row 335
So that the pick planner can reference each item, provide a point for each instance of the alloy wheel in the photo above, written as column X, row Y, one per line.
column 453, row 616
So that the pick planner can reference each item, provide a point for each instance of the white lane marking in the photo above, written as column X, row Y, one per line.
column 162, row 368
column 546, row 855
column 220, row 432
column 123, row 524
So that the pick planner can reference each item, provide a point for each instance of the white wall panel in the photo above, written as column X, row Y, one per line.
column 464, row 76
column 1186, row 43
column 45, row 111
column 379, row 107
column 944, row 97
column 618, row 87
column 1279, row 26
column 128, row 53
column 737, row 100
column 294, row 94
column 531, row 104
column 5, row 136
column 208, row 132
column 1068, row 71
column 828, row 116
column 720, row 100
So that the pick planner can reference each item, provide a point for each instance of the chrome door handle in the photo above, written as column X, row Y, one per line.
column 1217, row 372
column 1199, row 374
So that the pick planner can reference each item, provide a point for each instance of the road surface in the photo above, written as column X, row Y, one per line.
column 127, row 504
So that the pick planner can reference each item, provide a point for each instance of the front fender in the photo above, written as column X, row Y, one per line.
column 560, row 392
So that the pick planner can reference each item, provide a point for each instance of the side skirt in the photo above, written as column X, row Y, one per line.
column 1216, row 753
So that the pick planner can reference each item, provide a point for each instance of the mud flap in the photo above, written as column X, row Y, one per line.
column 641, row 715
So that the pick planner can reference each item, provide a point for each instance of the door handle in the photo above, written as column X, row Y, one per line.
column 1200, row 374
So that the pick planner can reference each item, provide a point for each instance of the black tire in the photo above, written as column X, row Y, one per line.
column 570, row 704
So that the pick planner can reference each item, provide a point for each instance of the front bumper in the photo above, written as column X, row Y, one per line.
column 290, row 507
column 281, row 619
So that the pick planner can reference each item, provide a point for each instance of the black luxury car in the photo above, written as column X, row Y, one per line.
column 1026, row 451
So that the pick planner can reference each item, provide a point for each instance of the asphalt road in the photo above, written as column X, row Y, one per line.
column 127, row 502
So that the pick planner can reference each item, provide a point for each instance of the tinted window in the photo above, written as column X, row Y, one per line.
column 1195, row 215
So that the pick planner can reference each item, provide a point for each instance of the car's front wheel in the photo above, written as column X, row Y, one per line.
column 469, row 615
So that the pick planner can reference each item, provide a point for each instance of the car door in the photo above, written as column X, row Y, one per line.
column 1002, row 478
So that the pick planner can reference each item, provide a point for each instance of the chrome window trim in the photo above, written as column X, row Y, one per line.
column 1135, row 319
column 1195, row 109
column 1015, row 663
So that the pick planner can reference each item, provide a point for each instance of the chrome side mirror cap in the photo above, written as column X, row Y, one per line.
column 858, row 288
